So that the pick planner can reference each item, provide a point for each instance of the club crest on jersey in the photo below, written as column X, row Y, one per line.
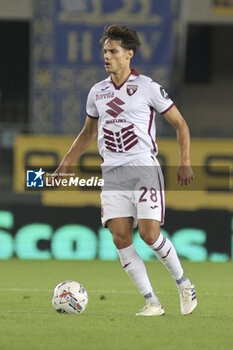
column 131, row 89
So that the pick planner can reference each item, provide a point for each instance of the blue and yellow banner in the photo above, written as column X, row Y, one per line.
column 223, row 7
column 67, row 60
column 212, row 188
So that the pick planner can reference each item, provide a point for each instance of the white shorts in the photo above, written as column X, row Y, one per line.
column 134, row 190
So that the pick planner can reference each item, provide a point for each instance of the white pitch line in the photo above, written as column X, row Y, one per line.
column 35, row 290
column 23, row 290
column 109, row 313
column 113, row 291
column 212, row 315
column 26, row 312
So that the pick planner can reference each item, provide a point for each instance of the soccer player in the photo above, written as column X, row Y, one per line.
column 121, row 110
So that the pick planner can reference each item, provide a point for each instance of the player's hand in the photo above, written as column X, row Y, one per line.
column 184, row 175
column 57, row 174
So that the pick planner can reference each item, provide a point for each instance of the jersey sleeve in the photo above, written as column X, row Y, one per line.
column 90, row 105
column 158, row 98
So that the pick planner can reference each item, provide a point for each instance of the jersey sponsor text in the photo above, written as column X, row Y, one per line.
column 109, row 94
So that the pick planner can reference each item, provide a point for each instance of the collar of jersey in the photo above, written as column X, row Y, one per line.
column 133, row 75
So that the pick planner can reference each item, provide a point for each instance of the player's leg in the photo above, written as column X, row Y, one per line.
column 121, row 229
column 163, row 248
column 165, row 251
column 150, row 203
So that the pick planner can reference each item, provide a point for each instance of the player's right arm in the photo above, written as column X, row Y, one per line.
column 80, row 144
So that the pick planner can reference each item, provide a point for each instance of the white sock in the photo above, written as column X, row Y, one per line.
column 166, row 253
column 135, row 268
column 183, row 282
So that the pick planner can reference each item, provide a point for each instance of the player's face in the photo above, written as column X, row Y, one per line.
column 116, row 57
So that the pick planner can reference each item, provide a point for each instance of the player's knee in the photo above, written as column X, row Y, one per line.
column 121, row 239
column 149, row 236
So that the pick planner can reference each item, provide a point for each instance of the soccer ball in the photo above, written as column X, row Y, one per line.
column 69, row 297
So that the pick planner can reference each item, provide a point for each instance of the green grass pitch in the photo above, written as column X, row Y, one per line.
column 28, row 321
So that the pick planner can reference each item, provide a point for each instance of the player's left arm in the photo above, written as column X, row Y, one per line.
column 184, row 172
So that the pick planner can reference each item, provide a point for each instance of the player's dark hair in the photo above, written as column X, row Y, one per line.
column 127, row 36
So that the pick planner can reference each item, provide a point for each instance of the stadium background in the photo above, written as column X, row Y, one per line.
column 49, row 60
